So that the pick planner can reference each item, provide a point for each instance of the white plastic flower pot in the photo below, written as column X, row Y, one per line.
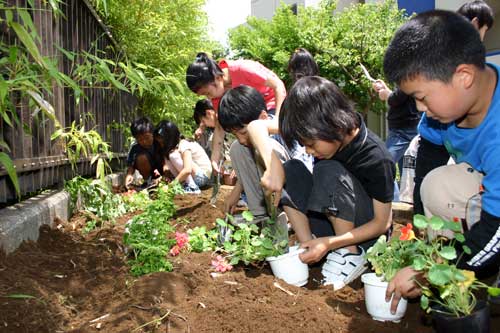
column 375, row 302
column 289, row 267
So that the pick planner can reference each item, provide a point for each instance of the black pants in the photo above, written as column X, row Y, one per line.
column 330, row 189
column 429, row 157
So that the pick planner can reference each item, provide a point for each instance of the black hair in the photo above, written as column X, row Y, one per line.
column 140, row 126
column 169, row 135
column 202, row 71
column 302, row 64
column 200, row 109
column 479, row 9
column 240, row 106
column 433, row 44
column 316, row 109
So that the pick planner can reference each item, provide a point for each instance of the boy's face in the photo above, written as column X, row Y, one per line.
column 212, row 90
column 145, row 140
column 445, row 102
column 321, row 149
column 243, row 136
column 209, row 119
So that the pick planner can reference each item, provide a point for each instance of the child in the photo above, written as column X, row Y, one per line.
column 345, row 204
column 141, row 155
column 238, row 107
column 207, row 78
column 444, row 69
column 431, row 154
column 302, row 63
column 187, row 161
column 205, row 117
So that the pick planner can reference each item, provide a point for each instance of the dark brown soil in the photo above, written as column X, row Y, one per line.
column 74, row 279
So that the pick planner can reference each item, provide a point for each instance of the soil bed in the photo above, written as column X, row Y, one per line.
column 74, row 279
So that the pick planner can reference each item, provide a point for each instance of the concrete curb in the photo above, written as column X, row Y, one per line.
column 22, row 221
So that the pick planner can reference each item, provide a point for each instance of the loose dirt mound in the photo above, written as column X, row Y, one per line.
column 72, row 279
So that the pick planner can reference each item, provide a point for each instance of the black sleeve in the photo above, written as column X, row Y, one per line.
column 397, row 98
column 484, row 241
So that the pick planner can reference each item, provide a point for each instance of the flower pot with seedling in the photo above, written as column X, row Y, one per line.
column 289, row 267
column 375, row 288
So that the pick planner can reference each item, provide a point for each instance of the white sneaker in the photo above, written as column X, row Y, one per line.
column 342, row 267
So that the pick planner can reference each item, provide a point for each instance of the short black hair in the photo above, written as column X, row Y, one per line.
column 433, row 44
column 316, row 109
column 240, row 106
column 168, row 133
column 302, row 64
column 200, row 109
column 202, row 71
column 479, row 9
column 140, row 126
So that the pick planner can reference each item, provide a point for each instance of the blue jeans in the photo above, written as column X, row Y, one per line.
column 397, row 142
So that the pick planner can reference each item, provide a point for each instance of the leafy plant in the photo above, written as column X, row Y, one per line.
column 434, row 259
column 136, row 200
column 95, row 199
column 338, row 42
column 146, row 234
column 201, row 240
column 247, row 243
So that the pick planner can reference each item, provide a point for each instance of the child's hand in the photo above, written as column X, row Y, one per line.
column 316, row 249
column 273, row 179
column 381, row 88
column 156, row 173
column 403, row 284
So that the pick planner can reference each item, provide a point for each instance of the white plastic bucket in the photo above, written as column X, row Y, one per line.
column 375, row 302
column 289, row 267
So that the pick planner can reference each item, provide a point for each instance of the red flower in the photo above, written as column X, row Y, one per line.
column 456, row 219
column 175, row 250
column 407, row 233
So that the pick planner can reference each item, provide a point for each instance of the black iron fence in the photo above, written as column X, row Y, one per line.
column 40, row 162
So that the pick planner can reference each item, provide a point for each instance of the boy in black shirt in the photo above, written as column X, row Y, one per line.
column 346, row 202
column 141, row 155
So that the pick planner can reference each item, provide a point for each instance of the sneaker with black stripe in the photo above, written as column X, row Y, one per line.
column 342, row 267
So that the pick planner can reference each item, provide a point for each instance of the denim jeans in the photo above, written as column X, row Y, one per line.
column 398, row 141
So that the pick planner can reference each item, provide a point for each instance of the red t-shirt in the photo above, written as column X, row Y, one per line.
column 250, row 73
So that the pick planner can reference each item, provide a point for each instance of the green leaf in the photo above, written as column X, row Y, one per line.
column 221, row 222
column 20, row 296
column 493, row 291
column 460, row 237
column 466, row 249
column 420, row 221
column 440, row 274
column 247, row 215
column 436, row 223
column 11, row 171
column 418, row 263
column 448, row 252
column 424, row 302
column 28, row 42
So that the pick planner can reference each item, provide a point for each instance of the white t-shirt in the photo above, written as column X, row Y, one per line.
column 200, row 157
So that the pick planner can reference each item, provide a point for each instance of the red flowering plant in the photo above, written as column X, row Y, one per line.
column 443, row 283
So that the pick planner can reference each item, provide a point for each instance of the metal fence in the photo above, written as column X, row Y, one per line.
column 40, row 162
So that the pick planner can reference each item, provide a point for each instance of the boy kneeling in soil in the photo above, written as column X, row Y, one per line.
column 238, row 107
column 141, row 155
column 345, row 204
column 444, row 69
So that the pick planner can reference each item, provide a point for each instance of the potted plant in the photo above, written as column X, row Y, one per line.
column 386, row 259
column 447, row 291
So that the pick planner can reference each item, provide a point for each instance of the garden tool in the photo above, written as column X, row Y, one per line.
column 215, row 189
column 367, row 74
column 225, row 231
